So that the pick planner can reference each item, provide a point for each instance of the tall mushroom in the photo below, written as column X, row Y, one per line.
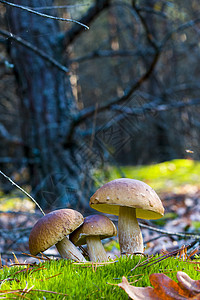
column 92, row 231
column 52, row 229
column 129, row 199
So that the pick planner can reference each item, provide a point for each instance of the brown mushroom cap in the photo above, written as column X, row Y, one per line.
column 94, row 225
column 130, row 193
column 52, row 228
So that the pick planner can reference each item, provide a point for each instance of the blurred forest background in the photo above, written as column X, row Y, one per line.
column 79, row 107
column 73, row 100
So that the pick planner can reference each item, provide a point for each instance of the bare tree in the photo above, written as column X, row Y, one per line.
column 47, row 105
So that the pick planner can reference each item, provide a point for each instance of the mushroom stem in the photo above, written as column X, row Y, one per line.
column 95, row 249
column 130, row 237
column 68, row 250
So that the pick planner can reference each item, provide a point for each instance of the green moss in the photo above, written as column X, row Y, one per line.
column 196, row 225
column 165, row 176
column 86, row 281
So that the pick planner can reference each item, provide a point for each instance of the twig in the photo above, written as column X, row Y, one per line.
column 111, row 53
column 154, row 239
column 34, row 49
column 60, row 6
column 154, row 107
column 149, row 35
column 8, row 137
column 41, row 14
column 23, row 191
column 195, row 236
column 149, row 261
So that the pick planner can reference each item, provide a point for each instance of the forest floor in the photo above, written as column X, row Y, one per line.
column 177, row 183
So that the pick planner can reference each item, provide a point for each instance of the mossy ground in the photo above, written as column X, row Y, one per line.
column 100, row 282
column 87, row 281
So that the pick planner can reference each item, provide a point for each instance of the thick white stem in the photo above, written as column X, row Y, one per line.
column 130, row 237
column 96, row 250
column 69, row 251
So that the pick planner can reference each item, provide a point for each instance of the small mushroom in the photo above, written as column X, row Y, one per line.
column 52, row 229
column 129, row 199
column 94, row 228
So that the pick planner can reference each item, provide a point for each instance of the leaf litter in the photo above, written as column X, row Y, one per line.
column 164, row 288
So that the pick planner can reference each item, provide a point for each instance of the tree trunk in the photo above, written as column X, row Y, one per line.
column 46, row 109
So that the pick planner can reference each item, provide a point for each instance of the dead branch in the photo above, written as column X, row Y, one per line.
column 154, row 107
column 112, row 53
column 195, row 236
column 8, row 137
column 30, row 10
column 31, row 47
column 23, row 191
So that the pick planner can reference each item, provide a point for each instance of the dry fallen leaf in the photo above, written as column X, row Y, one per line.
column 137, row 293
column 164, row 288
column 185, row 282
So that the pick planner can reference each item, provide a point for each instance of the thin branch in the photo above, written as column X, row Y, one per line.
column 195, row 236
column 154, row 239
column 31, row 47
column 149, row 108
column 23, row 191
column 149, row 35
column 152, row 107
column 8, row 137
column 60, row 6
column 91, row 14
column 41, row 14
column 111, row 53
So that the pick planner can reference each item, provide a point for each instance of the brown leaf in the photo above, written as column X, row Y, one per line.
column 164, row 288
column 137, row 293
column 167, row 288
column 185, row 282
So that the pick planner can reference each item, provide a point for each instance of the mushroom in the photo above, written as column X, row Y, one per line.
column 129, row 199
column 52, row 229
column 94, row 228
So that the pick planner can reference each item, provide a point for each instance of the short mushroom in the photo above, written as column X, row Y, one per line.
column 129, row 199
column 92, row 231
column 52, row 229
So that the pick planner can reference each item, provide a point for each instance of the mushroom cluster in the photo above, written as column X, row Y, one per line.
column 129, row 199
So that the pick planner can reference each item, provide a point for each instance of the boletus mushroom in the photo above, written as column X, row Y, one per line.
column 52, row 229
column 91, row 232
column 129, row 199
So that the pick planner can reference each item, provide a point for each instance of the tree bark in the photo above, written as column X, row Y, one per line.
column 46, row 109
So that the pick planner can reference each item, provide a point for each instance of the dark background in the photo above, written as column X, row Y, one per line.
column 124, row 92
